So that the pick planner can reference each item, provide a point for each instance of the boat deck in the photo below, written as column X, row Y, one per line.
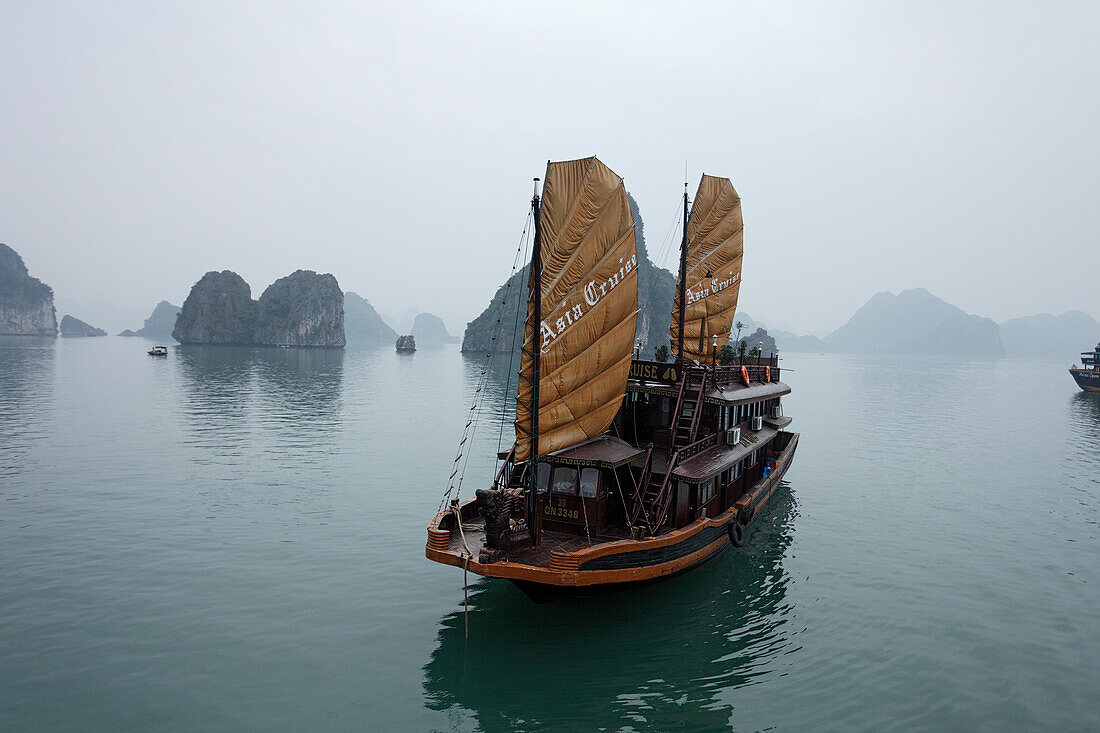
column 550, row 542
column 610, row 558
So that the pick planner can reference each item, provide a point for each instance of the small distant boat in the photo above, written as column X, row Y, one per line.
column 1088, row 375
column 158, row 351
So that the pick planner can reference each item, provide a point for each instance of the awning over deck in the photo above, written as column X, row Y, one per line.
column 603, row 451
column 736, row 394
column 777, row 422
column 713, row 461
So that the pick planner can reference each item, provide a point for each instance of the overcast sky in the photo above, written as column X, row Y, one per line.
column 876, row 146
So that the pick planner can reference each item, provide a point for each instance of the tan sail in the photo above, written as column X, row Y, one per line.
column 589, row 289
column 715, row 244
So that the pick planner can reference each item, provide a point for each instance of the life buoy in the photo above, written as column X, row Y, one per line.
column 737, row 534
column 745, row 375
column 768, row 372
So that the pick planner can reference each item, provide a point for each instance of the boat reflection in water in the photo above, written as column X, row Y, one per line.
column 1083, row 419
column 1085, row 407
column 665, row 656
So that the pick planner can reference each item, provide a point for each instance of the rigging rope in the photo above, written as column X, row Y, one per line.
column 657, row 262
column 511, row 360
column 470, row 429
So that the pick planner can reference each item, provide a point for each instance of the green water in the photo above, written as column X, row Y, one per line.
column 234, row 539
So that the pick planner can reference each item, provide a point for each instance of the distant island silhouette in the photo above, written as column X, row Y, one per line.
column 74, row 327
column 301, row 309
column 159, row 324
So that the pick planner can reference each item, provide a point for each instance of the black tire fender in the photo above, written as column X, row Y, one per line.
column 737, row 534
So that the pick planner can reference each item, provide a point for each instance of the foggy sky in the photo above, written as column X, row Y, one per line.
column 876, row 146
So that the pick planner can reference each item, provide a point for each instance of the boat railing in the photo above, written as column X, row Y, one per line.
column 760, row 369
column 499, row 483
column 698, row 446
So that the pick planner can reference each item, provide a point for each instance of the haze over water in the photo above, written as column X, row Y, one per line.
column 234, row 538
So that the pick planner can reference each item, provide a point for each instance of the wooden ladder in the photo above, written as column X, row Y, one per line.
column 689, row 408
column 653, row 497
column 657, row 497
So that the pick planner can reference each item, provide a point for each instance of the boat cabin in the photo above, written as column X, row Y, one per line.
column 716, row 427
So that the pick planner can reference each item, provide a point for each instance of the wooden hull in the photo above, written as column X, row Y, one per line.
column 615, row 564
column 1086, row 380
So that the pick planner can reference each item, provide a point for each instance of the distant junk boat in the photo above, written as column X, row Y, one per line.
column 158, row 351
column 1088, row 375
column 406, row 344
column 623, row 471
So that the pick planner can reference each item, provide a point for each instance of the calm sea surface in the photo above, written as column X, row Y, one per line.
column 234, row 539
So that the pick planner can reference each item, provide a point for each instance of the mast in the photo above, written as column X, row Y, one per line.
column 536, row 293
column 683, row 278
column 581, row 317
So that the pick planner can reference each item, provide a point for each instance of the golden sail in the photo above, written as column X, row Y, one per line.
column 714, row 247
column 589, row 305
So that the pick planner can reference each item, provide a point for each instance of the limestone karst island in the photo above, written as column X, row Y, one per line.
column 26, row 303
column 301, row 309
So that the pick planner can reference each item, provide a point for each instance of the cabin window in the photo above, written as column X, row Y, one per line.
column 725, row 480
column 544, row 476
column 752, row 459
column 736, row 471
column 589, row 479
column 565, row 480
column 706, row 492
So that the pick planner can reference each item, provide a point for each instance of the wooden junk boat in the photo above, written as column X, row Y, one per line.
column 629, row 470
column 1087, row 375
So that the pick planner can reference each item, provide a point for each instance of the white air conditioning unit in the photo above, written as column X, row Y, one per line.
column 733, row 436
column 757, row 423
column 777, row 411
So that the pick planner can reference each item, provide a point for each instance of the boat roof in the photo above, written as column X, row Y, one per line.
column 604, row 451
column 736, row 394
column 713, row 461
column 730, row 394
